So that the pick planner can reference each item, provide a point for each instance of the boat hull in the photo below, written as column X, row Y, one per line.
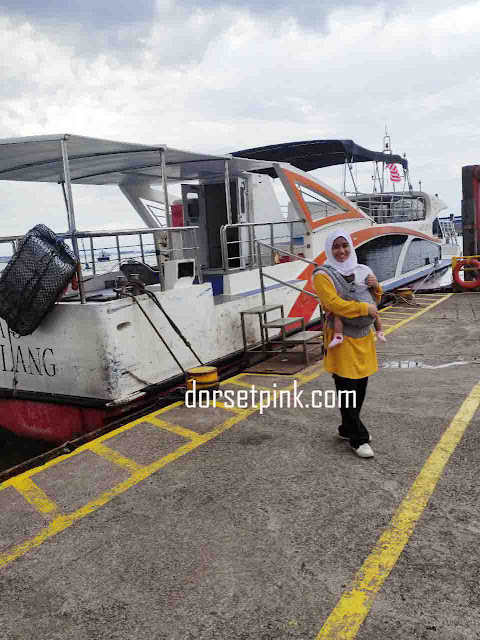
column 55, row 423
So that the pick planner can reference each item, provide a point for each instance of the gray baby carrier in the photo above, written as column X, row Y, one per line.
column 353, row 327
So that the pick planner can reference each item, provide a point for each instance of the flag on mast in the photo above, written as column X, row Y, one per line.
column 394, row 173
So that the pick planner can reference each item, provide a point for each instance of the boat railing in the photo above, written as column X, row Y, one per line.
column 168, row 243
column 390, row 207
column 263, row 275
column 238, row 243
column 449, row 232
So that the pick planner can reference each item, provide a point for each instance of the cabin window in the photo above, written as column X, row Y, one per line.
column 388, row 208
column 319, row 205
column 408, row 209
column 419, row 254
column 381, row 255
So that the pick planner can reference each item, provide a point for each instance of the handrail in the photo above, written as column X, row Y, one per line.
column 266, row 275
column 106, row 233
column 251, row 239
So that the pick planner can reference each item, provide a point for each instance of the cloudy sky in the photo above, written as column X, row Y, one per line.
column 215, row 76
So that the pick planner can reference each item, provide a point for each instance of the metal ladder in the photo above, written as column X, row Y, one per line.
column 303, row 337
column 447, row 227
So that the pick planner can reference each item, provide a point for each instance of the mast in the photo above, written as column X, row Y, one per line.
column 387, row 148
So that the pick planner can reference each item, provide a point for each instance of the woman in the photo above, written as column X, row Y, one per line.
column 351, row 362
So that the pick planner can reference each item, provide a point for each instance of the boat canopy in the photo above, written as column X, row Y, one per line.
column 315, row 154
column 98, row 162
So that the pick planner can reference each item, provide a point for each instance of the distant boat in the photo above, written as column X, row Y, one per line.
column 103, row 256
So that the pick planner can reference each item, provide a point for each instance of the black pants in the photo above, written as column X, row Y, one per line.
column 352, row 427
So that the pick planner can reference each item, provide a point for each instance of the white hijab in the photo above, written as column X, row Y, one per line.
column 347, row 267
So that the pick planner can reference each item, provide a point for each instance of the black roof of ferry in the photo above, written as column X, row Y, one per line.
column 308, row 155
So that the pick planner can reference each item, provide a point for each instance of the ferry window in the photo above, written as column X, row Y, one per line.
column 381, row 255
column 318, row 204
column 420, row 253
column 407, row 209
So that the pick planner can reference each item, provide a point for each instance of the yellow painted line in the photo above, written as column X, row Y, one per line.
column 309, row 377
column 237, row 410
column 353, row 607
column 113, row 456
column 239, row 376
column 399, row 313
column 85, row 447
column 418, row 314
column 174, row 428
column 62, row 522
column 248, row 385
column 260, row 375
column 34, row 495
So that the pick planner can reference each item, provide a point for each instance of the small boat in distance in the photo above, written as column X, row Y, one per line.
column 103, row 256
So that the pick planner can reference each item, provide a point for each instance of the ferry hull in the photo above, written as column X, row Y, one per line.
column 56, row 423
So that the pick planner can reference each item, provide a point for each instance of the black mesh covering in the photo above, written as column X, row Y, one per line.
column 32, row 281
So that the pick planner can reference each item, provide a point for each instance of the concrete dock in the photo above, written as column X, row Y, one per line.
column 241, row 523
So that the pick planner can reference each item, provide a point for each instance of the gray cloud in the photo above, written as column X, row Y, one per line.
column 124, row 27
column 92, row 14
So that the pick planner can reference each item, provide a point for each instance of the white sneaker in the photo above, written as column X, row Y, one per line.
column 364, row 451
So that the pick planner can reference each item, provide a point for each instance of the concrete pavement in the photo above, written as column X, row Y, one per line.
column 224, row 523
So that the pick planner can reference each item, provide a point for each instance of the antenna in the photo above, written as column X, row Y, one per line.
column 387, row 148
column 386, row 142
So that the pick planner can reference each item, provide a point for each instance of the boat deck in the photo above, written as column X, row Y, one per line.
column 241, row 524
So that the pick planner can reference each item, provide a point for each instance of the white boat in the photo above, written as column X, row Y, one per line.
column 95, row 355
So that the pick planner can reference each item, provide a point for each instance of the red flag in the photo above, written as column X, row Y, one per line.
column 394, row 174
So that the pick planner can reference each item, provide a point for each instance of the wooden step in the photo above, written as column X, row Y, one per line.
column 280, row 322
column 301, row 337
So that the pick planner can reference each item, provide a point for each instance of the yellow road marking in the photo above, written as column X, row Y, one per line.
column 34, row 495
column 237, row 410
column 248, row 385
column 398, row 313
column 173, row 428
column 62, row 522
column 418, row 314
column 353, row 607
column 139, row 473
column 316, row 372
column 113, row 456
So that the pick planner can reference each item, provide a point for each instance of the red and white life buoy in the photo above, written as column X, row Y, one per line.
column 467, row 284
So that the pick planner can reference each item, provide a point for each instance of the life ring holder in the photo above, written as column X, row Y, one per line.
column 466, row 284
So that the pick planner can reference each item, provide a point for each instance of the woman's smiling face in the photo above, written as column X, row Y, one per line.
column 340, row 249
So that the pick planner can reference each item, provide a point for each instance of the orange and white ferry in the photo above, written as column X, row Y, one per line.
column 95, row 355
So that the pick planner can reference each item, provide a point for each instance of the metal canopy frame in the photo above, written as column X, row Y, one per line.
column 70, row 159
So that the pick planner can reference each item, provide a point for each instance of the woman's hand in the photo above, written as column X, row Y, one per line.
column 372, row 311
column 371, row 281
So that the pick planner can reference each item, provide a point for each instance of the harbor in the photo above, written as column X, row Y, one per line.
column 239, row 295
column 138, row 505
column 230, row 523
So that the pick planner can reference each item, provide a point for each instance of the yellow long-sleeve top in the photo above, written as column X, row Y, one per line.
column 355, row 357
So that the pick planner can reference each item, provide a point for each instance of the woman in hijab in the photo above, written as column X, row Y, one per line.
column 340, row 286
